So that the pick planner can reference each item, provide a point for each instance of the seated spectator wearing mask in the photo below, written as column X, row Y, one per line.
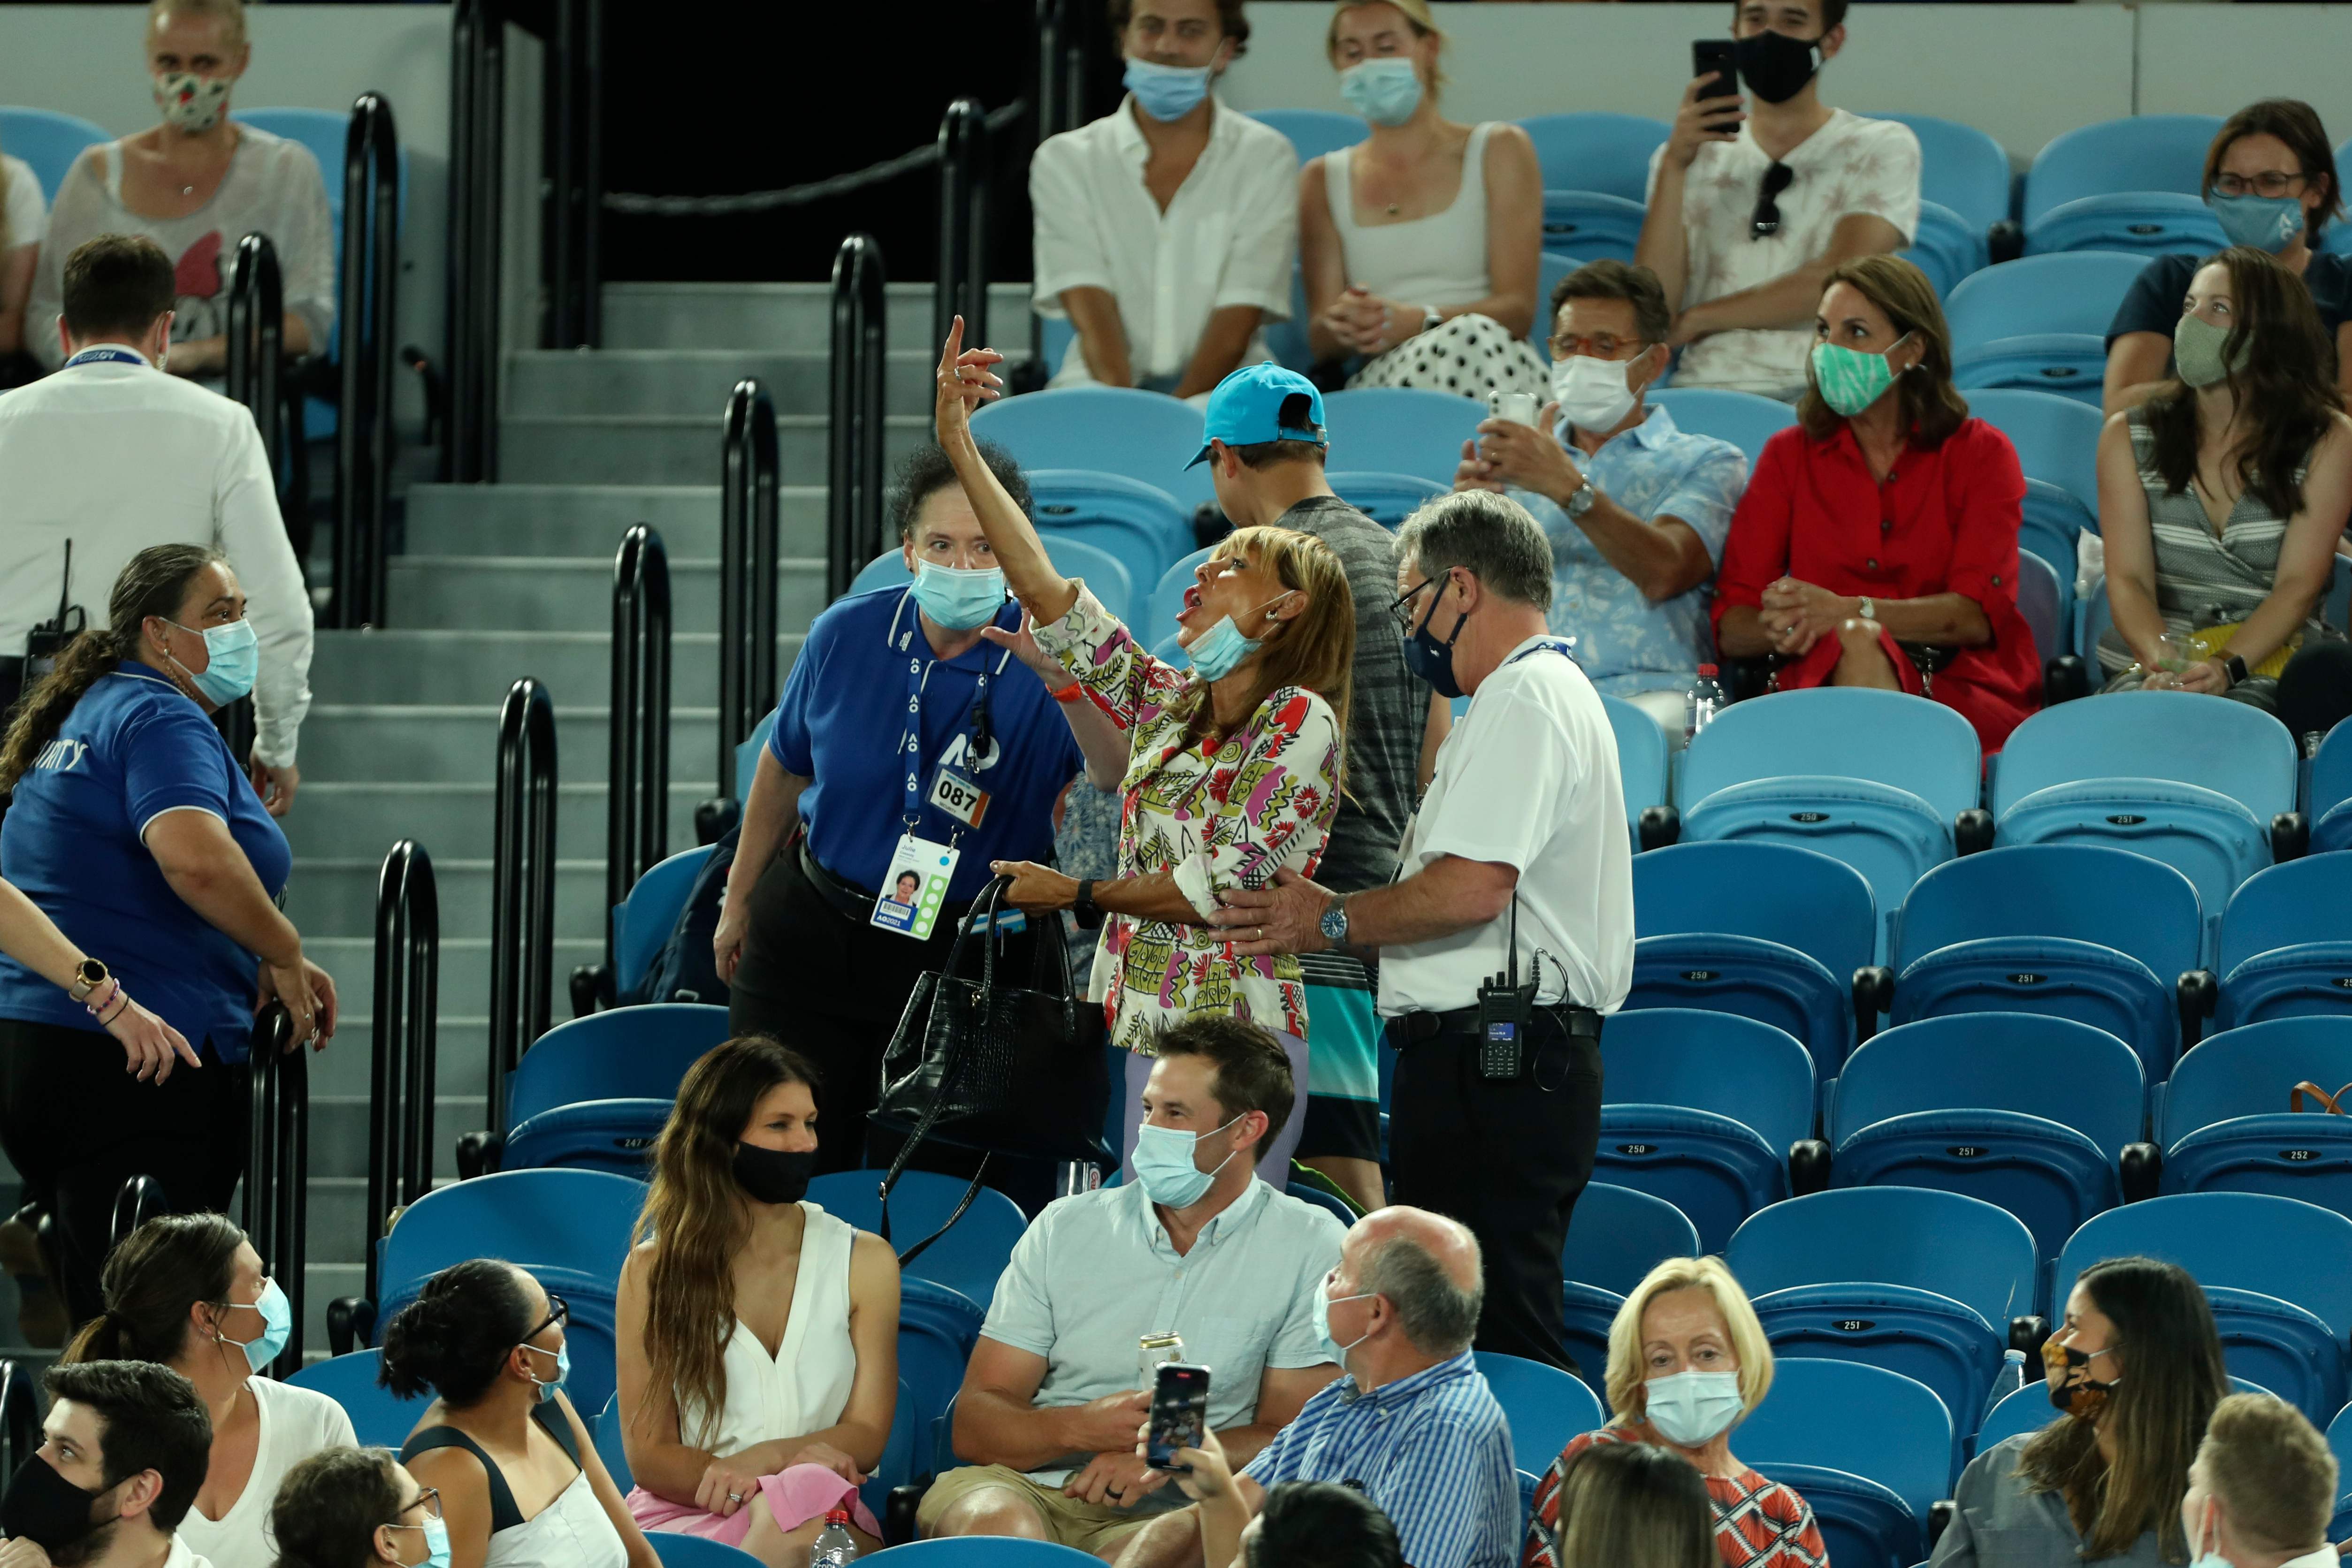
column 356, row 1508
column 1413, row 1423
column 757, row 1335
column 1419, row 244
column 2261, row 1489
column 196, row 185
column 1750, row 213
column 123, row 1449
column 1687, row 1362
column 1165, row 230
column 188, row 1291
column 1195, row 1244
column 2270, row 179
column 2222, row 496
column 1636, row 509
column 2137, row 1368
column 24, row 219
column 1876, row 545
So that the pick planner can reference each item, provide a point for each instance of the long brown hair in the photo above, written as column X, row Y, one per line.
column 2162, row 1399
column 1314, row 649
column 153, row 584
column 1932, row 408
column 2282, row 368
column 694, row 1219
column 161, row 1270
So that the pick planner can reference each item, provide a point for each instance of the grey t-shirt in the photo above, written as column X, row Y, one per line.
column 1388, row 709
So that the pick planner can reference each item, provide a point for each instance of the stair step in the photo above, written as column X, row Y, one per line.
column 458, row 743
column 572, row 593
column 462, row 992
column 784, row 317
column 693, row 380
column 589, row 519
column 338, row 1129
column 338, row 896
column 673, row 449
column 444, row 666
column 456, row 820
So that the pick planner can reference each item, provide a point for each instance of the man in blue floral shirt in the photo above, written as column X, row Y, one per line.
column 1636, row 510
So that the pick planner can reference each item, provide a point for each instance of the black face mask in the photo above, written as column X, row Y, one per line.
column 773, row 1176
column 1775, row 66
column 1431, row 659
column 42, row 1506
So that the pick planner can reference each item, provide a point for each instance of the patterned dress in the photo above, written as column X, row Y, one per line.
column 1758, row 1524
column 1216, row 818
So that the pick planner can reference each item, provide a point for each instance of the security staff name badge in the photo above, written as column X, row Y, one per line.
column 915, row 887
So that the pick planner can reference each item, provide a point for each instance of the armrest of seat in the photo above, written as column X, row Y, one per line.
column 2141, row 1168
column 2290, row 836
column 351, row 1323
column 1874, row 993
column 1809, row 1166
column 2063, row 679
column 1745, row 678
column 590, row 989
column 712, row 818
column 1939, row 1518
column 1972, row 830
column 2027, row 1333
column 2005, row 240
column 477, row 1154
column 1659, row 826
column 2197, row 993
column 899, row 1518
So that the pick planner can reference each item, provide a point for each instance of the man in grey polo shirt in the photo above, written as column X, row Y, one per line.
column 1197, row 1245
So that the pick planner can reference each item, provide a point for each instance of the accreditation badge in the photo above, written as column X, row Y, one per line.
column 915, row 887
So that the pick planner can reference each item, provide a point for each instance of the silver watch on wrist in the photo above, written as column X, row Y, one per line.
column 1867, row 610
column 1582, row 502
column 1334, row 923
column 1430, row 319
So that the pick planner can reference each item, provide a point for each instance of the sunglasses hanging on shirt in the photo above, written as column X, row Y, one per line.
column 1766, row 221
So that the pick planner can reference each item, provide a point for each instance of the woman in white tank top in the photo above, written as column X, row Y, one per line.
column 1420, row 245
column 757, row 1335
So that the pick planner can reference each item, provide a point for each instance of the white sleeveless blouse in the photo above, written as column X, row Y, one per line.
column 1439, row 260
column 805, row 1386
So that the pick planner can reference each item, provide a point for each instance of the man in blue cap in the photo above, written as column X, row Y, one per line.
column 1266, row 447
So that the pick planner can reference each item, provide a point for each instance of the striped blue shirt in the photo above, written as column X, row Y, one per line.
column 1433, row 1452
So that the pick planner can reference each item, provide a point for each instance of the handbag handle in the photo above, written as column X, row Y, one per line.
column 2330, row 1104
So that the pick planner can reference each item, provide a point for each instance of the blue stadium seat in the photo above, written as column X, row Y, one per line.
column 1144, row 436
column 604, row 1428
column 1644, row 757
column 1865, row 1421
column 2144, row 152
column 1744, row 419
column 1590, row 225
column 1702, row 1109
column 47, row 142
column 1168, row 597
column 1103, row 572
column 747, row 756
column 993, row 1552
column 642, row 921
column 380, row 1418
column 2050, row 526
column 1768, row 931
column 1551, row 268
column 897, row 1465
column 1316, row 1198
column 2085, row 932
column 2029, row 1410
column 1875, row 778
column 2330, row 806
column 1314, row 131
column 2227, row 1126
column 1411, row 430
column 1615, row 1237
column 1594, row 151
column 2039, row 323
column 971, row 1254
column 2133, row 223
column 1960, row 168
column 2043, row 600
column 2057, row 441
column 1139, row 523
column 937, row 1326
column 2278, row 1273
column 595, row 1092
column 2286, row 943
column 1861, row 1521
column 2178, row 777
column 1545, row 1406
column 678, row 1549
column 2028, row 1112
column 1387, row 498
column 1945, row 247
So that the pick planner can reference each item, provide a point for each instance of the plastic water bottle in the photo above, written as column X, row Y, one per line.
column 835, row 1545
column 1701, row 703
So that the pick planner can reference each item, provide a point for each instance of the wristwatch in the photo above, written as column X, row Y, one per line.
column 1866, row 610
column 1334, row 923
column 1430, row 319
column 1582, row 502
column 1083, row 904
column 88, row 977
column 2235, row 667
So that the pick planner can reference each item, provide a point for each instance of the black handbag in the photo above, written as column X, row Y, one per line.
column 994, row 1067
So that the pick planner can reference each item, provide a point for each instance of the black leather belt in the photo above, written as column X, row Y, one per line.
column 1418, row 1028
column 856, row 903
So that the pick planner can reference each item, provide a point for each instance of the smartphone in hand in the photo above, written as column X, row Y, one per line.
column 1180, row 1414
column 1712, row 56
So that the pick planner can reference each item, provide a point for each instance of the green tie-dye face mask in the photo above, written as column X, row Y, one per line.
column 1851, row 380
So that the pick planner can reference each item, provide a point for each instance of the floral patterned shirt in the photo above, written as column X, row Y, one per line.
column 1216, row 820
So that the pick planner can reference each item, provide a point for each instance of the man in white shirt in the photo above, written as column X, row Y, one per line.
column 2261, row 1489
column 111, row 455
column 123, row 1450
column 1166, row 230
column 1509, row 932
column 1749, row 212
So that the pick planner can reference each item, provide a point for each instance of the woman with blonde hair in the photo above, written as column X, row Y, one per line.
column 1231, row 770
column 1687, row 1362
column 756, row 1335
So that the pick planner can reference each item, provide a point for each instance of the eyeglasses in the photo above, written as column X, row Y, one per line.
column 2269, row 183
column 1400, row 606
column 429, row 1499
column 1766, row 221
column 1601, row 346
column 558, row 1313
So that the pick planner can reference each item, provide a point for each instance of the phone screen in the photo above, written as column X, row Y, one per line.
column 1712, row 56
column 1180, row 1414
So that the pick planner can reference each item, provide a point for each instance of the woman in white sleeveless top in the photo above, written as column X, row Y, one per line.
column 1420, row 245
column 757, row 1335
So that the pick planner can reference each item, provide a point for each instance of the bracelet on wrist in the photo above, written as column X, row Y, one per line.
column 1070, row 692
column 122, row 1005
column 103, row 996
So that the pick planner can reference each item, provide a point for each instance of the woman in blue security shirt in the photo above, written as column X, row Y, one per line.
column 138, row 834
column 816, row 944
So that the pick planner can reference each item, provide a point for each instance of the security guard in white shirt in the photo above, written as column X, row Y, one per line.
column 1508, row 935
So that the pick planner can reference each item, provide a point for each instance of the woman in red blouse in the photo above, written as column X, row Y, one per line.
column 1877, row 543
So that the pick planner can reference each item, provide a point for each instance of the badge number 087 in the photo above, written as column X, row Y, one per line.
column 954, row 792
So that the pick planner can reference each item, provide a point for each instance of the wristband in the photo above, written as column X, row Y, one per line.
column 124, row 1001
column 1070, row 692
column 103, row 998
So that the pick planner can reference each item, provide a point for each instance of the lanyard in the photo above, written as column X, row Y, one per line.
column 1548, row 645
column 918, row 675
column 103, row 354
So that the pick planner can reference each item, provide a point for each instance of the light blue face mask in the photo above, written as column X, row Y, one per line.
column 1166, row 92
column 232, row 659
column 1333, row 1351
column 1165, row 1165
column 2266, row 223
column 563, row 1354
column 959, row 600
column 436, row 1544
column 277, row 1323
column 1691, row 1409
column 1385, row 91
column 1215, row 653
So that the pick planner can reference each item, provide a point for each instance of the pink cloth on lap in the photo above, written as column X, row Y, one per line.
column 794, row 1496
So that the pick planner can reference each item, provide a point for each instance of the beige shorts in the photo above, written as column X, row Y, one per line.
column 1069, row 1521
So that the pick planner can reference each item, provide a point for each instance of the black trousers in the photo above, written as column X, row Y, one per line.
column 77, row 1126
column 833, row 987
column 1506, row 1159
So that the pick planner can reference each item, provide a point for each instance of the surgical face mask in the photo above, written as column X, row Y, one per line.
column 1385, row 91
column 45, row 1508
column 1431, row 659
column 1166, row 92
column 2265, row 222
column 277, row 1327
column 1691, row 1409
column 192, row 104
column 1851, row 380
column 232, row 659
column 959, row 600
column 436, row 1545
column 1216, row 652
column 2205, row 1555
column 2197, row 352
column 1165, row 1164
column 1593, row 394
column 773, row 1176
column 563, row 1354
column 1332, row 1349
column 2086, row 1400
column 1774, row 66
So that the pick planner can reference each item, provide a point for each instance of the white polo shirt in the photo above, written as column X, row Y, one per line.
column 117, row 455
column 1228, row 237
column 1527, row 779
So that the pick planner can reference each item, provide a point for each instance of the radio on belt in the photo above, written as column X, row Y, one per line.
column 1505, row 1009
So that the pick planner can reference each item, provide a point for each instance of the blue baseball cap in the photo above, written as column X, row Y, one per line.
column 1262, row 402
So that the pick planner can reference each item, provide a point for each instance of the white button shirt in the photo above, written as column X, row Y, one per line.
column 1228, row 237
column 1529, row 779
column 117, row 456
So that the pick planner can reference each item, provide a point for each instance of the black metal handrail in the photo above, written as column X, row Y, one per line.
column 256, row 337
column 1060, row 90
column 405, row 1073
column 853, row 441
column 139, row 1200
column 964, row 172
column 20, row 1414
column 277, row 1167
column 522, row 885
column 366, row 330
column 747, row 545
column 476, row 165
column 574, row 217
column 636, row 796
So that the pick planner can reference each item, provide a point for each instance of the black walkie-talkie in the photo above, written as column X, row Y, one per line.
column 1504, row 1009
column 48, row 638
